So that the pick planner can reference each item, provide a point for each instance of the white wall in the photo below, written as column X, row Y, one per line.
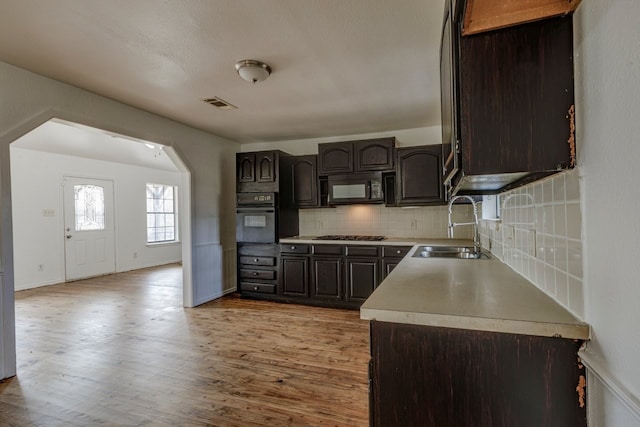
column 28, row 100
column 39, row 240
column 607, row 55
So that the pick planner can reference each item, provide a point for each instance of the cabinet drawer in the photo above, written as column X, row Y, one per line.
column 395, row 251
column 371, row 251
column 258, row 260
column 258, row 249
column 292, row 248
column 258, row 274
column 262, row 288
column 327, row 250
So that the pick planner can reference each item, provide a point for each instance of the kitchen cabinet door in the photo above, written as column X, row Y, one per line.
column 305, row 181
column 362, row 278
column 508, row 108
column 295, row 276
column 388, row 265
column 266, row 166
column 374, row 154
column 327, row 278
column 335, row 158
column 491, row 379
column 246, row 167
column 419, row 176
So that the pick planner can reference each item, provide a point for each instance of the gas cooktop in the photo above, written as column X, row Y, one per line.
column 350, row 237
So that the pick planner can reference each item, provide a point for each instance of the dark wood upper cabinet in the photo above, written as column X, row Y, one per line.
column 305, row 181
column 374, row 154
column 335, row 158
column 265, row 166
column 419, row 176
column 265, row 171
column 513, row 103
column 356, row 156
column 246, row 167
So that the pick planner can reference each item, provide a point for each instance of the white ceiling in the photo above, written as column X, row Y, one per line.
column 340, row 67
column 71, row 139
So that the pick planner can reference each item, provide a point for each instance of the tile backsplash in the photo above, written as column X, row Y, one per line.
column 539, row 236
column 427, row 221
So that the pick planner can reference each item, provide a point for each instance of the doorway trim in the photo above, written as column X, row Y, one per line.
column 7, row 297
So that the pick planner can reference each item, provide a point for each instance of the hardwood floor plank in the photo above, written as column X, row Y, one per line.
column 121, row 350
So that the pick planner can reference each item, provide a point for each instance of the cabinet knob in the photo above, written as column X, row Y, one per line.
column 398, row 251
column 255, row 274
column 255, row 288
column 255, row 260
column 293, row 247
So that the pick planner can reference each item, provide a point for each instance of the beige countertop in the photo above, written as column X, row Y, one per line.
column 478, row 294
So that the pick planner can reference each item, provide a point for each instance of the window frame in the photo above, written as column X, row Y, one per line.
column 163, row 212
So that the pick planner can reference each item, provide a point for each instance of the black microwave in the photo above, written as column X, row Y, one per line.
column 355, row 188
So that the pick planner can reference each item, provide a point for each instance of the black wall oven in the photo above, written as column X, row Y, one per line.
column 259, row 219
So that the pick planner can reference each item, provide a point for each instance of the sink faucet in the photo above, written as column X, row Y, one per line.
column 476, row 229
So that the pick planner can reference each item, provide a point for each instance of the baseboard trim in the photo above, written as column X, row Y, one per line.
column 38, row 285
column 148, row 265
column 212, row 297
column 620, row 392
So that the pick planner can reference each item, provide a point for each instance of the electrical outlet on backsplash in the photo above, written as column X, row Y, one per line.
column 539, row 236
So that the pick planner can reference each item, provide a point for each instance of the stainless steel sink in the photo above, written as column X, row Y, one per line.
column 458, row 252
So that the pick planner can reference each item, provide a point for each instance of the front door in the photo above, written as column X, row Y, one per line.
column 89, row 227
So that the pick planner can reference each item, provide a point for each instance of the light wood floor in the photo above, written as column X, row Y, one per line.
column 121, row 350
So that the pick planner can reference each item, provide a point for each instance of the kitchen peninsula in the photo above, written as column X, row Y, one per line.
column 474, row 343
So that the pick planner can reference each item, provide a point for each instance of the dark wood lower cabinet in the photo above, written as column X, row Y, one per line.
column 258, row 269
column 388, row 265
column 362, row 278
column 295, row 276
column 329, row 275
column 440, row 377
column 326, row 278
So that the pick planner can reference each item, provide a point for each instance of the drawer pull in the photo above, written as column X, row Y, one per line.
column 293, row 248
column 255, row 288
column 256, row 260
column 255, row 274
column 398, row 251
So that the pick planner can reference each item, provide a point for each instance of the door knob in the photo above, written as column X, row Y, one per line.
column 68, row 236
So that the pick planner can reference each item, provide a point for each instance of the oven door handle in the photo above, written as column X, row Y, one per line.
column 254, row 210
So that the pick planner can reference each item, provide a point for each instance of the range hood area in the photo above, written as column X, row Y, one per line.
column 507, row 103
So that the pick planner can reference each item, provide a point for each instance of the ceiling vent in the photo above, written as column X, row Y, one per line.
column 220, row 103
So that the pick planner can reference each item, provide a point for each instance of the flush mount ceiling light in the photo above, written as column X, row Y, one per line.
column 253, row 71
